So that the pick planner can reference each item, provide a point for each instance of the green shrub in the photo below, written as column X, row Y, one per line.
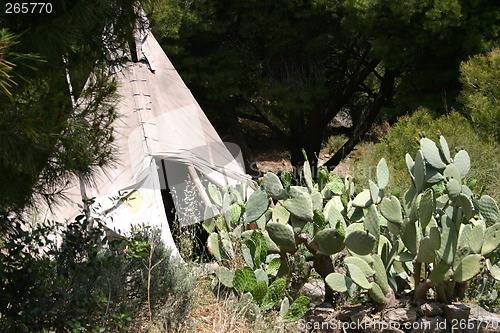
column 402, row 138
column 335, row 142
column 87, row 283
column 481, row 92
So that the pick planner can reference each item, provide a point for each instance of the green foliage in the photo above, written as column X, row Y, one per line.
column 401, row 139
column 275, row 293
column 244, row 280
column 47, row 142
column 481, row 92
column 86, row 281
column 275, row 64
column 439, row 234
column 297, row 309
column 334, row 143
column 282, row 235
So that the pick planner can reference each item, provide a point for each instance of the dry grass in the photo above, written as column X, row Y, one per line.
column 222, row 313
column 218, row 313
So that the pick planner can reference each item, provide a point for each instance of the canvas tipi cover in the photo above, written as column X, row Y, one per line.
column 162, row 136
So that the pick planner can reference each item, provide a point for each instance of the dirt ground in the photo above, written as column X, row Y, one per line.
column 271, row 154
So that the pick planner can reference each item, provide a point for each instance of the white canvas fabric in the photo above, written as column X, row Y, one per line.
column 162, row 136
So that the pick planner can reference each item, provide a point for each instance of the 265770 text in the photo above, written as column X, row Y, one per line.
column 28, row 8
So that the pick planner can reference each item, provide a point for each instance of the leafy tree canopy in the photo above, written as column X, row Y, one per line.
column 293, row 65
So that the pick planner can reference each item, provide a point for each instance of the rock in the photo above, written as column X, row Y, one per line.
column 321, row 310
column 457, row 315
column 400, row 314
column 484, row 321
column 205, row 269
column 435, row 324
column 431, row 309
column 344, row 118
column 315, row 290
column 348, row 312
column 358, row 317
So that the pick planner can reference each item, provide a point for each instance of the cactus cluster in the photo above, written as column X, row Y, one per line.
column 437, row 234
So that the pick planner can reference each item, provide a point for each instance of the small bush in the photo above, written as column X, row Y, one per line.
column 87, row 283
column 401, row 139
column 335, row 142
column 481, row 93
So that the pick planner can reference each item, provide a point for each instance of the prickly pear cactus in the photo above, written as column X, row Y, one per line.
column 436, row 234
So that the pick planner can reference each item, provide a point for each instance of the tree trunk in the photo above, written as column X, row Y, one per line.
column 382, row 98
column 308, row 138
column 236, row 131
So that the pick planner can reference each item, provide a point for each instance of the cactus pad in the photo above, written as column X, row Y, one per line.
column 374, row 192
column 410, row 237
column 297, row 309
column 376, row 293
column 449, row 240
column 307, row 175
column 426, row 253
column 285, row 305
column 491, row 239
column 380, row 275
column 452, row 172
column 260, row 291
column 382, row 174
column 299, row 204
column 441, row 273
column 282, row 235
column 360, row 242
column 476, row 238
column 225, row 276
column 391, row 210
column 453, row 188
column 462, row 161
column 466, row 205
column 317, row 200
column 329, row 241
column 432, row 175
column 333, row 216
column 409, row 165
column 358, row 276
column 280, row 214
column 273, row 187
column 489, row 209
column 431, row 153
column 214, row 246
column 419, row 171
column 363, row 265
column 435, row 238
column 338, row 282
column 493, row 269
column 244, row 280
column 426, row 208
column 273, row 266
column 256, row 206
column 371, row 223
column 275, row 293
column 468, row 267
column 215, row 194
column 363, row 199
column 445, row 150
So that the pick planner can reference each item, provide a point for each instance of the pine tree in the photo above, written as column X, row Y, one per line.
column 45, row 139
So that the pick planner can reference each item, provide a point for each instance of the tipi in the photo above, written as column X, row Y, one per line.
column 163, row 137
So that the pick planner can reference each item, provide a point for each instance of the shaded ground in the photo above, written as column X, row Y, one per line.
column 271, row 154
